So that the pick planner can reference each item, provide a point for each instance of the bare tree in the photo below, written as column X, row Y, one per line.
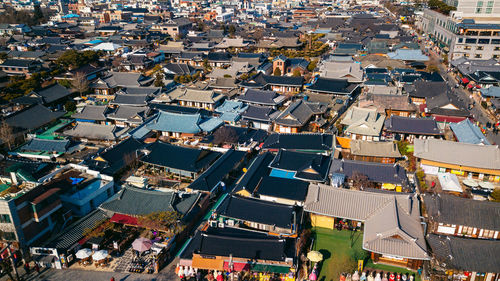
column 360, row 181
column 80, row 82
column 6, row 134
column 225, row 135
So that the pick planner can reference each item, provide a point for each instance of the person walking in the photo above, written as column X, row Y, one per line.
column 37, row 268
column 27, row 267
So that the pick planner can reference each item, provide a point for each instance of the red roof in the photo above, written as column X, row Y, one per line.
column 124, row 219
column 448, row 119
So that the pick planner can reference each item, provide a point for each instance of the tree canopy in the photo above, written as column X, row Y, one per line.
column 73, row 59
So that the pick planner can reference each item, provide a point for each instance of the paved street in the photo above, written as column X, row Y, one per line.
column 478, row 112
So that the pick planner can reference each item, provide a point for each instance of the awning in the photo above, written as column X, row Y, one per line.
column 478, row 86
column 237, row 266
column 388, row 186
column 270, row 268
column 470, row 86
column 123, row 219
column 211, row 264
column 465, row 80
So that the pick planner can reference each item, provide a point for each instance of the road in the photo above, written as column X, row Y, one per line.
column 478, row 112
column 167, row 274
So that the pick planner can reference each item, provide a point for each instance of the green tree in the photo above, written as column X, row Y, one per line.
column 38, row 14
column 159, row 80
column 312, row 65
column 74, row 59
column 3, row 56
column 277, row 71
column 232, row 29
column 70, row 106
column 495, row 195
column 156, row 68
column 296, row 73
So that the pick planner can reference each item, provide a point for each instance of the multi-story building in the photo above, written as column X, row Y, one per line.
column 479, row 10
column 462, row 38
column 30, row 212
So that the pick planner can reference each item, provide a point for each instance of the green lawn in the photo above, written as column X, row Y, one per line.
column 388, row 268
column 334, row 244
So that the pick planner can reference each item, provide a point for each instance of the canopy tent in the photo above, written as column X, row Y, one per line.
column 315, row 256
column 100, row 255
column 486, row 185
column 142, row 244
column 83, row 253
column 470, row 183
column 106, row 46
column 449, row 182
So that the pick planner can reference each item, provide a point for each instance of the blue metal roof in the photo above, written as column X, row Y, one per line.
column 467, row 132
column 211, row 124
column 174, row 122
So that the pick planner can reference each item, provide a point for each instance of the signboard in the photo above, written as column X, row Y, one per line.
column 360, row 265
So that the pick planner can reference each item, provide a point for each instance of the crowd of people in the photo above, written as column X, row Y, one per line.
column 377, row 276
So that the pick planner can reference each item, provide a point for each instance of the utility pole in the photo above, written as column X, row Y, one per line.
column 13, row 261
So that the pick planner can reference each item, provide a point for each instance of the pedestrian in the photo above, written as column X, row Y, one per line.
column 37, row 268
column 112, row 278
column 27, row 267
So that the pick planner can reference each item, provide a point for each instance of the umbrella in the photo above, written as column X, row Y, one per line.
column 486, row 185
column 470, row 183
column 83, row 253
column 315, row 256
column 142, row 244
column 100, row 255
column 313, row 276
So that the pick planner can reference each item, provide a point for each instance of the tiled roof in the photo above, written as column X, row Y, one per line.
column 33, row 117
column 75, row 232
column 376, row 172
column 180, row 158
column 466, row 131
column 465, row 254
column 449, row 209
column 175, row 122
column 392, row 220
column 136, row 202
column 458, row 153
column 92, row 112
column 332, row 86
column 299, row 142
column 408, row 125
column 217, row 171
column 48, row 145
column 258, row 211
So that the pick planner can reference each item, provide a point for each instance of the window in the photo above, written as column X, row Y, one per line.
column 467, row 48
column 478, row 56
column 489, row 10
column 496, row 56
column 497, row 48
column 479, row 48
column 460, row 40
column 5, row 219
column 9, row 236
column 495, row 41
column 485, row 33
column 471, row 41
column 479, row 7
column 483, row 41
